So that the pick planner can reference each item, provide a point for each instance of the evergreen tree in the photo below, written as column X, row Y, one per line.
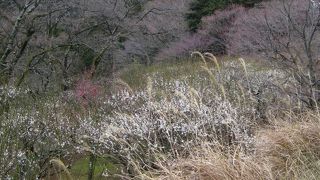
column 200, row 8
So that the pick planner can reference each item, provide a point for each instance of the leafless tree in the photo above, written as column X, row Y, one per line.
column 48, row 42
column 287, row 33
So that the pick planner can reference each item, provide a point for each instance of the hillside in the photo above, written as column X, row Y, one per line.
column 181, row 89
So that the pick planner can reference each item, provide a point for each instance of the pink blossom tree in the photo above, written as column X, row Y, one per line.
column 211, row 36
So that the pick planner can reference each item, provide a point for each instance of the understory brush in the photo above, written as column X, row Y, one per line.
column 285, row 150
column 203, row 124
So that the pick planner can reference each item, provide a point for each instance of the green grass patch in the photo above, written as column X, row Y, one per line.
column 137, row 74
column 79, row 169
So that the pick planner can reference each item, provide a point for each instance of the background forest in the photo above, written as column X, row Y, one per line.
column 159, row 89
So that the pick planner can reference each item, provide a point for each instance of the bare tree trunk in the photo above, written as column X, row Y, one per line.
column 27, row 9
column 65, row 68
column 13, row 34
column 21, row 51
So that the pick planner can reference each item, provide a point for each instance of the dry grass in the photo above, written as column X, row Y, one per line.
column 207, row 164
column 285, row 150
column 292, row 150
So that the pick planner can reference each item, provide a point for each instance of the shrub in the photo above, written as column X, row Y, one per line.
column 85, row 90
column 215, row 105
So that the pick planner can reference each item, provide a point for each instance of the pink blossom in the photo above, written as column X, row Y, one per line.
column 86, row 90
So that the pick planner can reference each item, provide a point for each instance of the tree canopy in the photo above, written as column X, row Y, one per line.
column 201, row 8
